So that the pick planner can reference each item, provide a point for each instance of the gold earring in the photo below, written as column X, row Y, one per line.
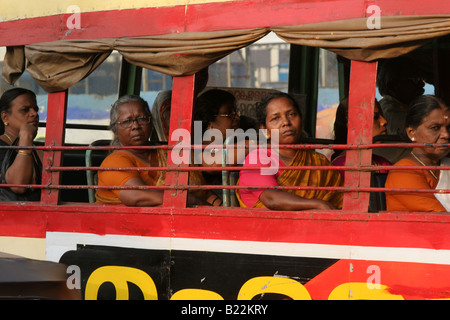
column 6, row 123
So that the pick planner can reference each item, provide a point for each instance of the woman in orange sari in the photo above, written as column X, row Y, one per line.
column 427, row 121
column 131, row 125
column 280, row 114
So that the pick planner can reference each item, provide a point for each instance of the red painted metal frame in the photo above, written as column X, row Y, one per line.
column 360, row 118
column 407, row 230
column 55, row 133
column 204, row 17
column 352, row 226
column 181, row 118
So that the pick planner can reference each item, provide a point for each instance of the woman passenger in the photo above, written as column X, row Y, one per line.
column 20, row 119
column 130, row 122
column 427, row 121
column 280, row 114
column 340, row 134
column 215, row 110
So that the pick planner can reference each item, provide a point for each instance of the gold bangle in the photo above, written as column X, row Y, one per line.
column 24, row 153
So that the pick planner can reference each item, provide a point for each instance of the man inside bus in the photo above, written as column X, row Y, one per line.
column 399, row 82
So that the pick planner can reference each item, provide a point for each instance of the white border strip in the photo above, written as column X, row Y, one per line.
column 60, row 242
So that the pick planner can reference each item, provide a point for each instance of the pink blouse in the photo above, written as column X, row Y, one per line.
column 267, row 176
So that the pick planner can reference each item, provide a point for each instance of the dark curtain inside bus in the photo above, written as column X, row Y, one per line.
column 58, row 65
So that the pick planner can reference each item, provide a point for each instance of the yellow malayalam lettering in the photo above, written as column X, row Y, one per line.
column 360, row 291
column 119, row 276
column 196, row 294
column 259, row 285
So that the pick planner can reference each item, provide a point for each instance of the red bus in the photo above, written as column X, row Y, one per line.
column 175, row 251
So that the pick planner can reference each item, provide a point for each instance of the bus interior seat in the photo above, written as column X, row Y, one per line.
column 76, row 158
column 229, row 178
column 73, row 158
column 391, row 154
column 378, row 199
column 94, row 158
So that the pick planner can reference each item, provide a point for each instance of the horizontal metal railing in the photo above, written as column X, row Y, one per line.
column 360, row 168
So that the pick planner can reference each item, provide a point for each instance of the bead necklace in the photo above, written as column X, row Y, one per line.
column 420, row 161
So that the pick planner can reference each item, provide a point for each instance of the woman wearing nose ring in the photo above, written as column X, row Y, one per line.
column 131, row 125
column 280, row 113
column 427, row 121
column 20, row 119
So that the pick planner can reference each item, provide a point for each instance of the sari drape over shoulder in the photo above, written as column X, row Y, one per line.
column 411, row 179
column 126, row 159
column 314, row 178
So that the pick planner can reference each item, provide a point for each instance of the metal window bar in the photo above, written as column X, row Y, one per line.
column 227, row 187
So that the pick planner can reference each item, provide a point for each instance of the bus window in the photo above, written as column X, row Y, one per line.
column 253, row 72
column 264, row 64
column 89, row 102
column 249, row 74
column 327, row 97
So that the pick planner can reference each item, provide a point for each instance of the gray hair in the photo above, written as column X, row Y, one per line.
column 114, row 113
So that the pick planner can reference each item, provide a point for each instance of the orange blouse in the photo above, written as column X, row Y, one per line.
column 119, row 178
column 411, row 179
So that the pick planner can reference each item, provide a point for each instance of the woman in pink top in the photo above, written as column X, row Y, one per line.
column 279, row 113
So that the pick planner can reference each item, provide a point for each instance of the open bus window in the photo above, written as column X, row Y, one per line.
column 253, row 72
column 249, row 74
column 89, row 102
column 328, row 97
column 264, row 64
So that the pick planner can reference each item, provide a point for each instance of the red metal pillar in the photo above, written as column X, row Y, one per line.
column 360, row 122
column 181, row 118
column 54, row 136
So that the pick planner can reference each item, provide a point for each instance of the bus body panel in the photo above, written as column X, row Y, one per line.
column 173, row 252
column 331, row 255
column 51, row 22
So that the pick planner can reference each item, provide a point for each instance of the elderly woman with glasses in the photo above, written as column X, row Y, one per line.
column 130, row 122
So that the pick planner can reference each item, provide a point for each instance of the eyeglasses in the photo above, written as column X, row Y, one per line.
column 232, row 115
column 142, row 121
